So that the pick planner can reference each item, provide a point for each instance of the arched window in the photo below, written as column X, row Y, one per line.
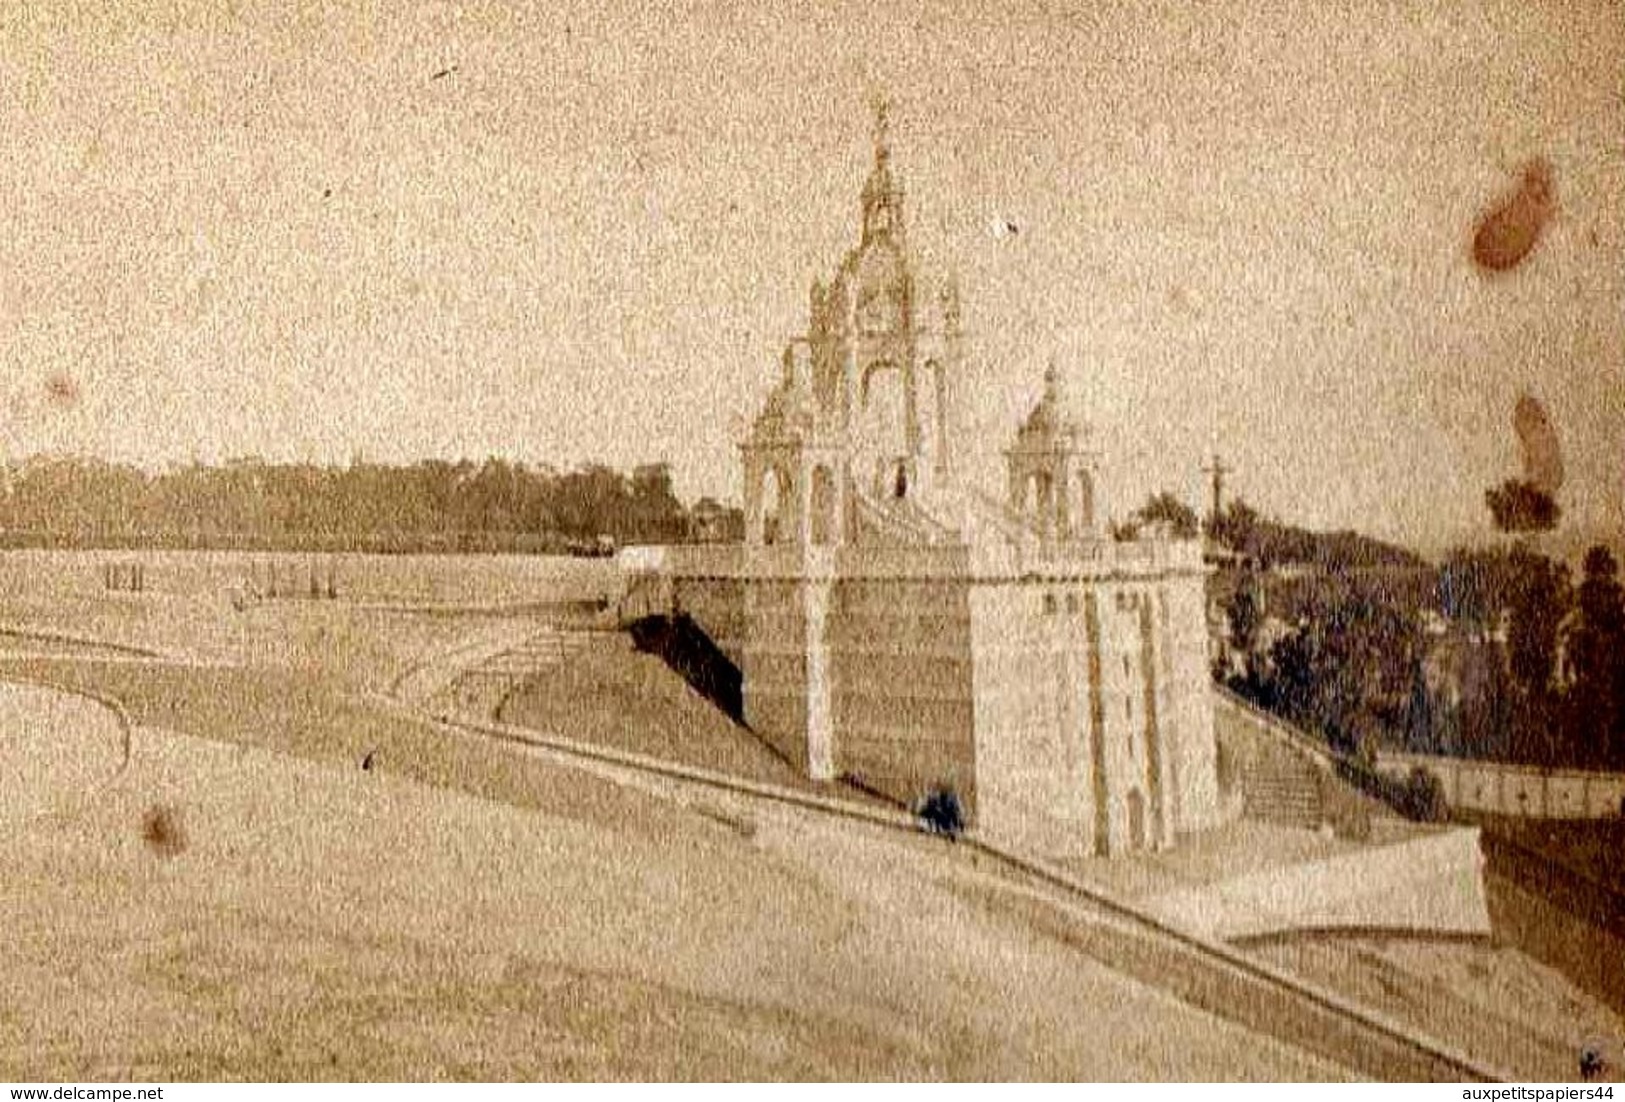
column 882, row 429
column 928, row 413
column 1045, row 486
column 1136, row 818
column 823, row 507
column 1086, row 502
column 1020, row 484
column 776, row 523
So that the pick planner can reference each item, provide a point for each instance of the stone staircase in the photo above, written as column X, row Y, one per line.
column 482, row 688
column 902, row 521
column 1282, row 788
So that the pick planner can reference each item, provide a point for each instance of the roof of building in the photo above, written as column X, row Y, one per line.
column 1051, row 423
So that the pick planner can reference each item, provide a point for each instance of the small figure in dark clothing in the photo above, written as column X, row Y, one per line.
column 941, row 813
column 1591, row 1062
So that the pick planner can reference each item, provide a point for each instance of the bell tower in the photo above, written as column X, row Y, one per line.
column 876, row 372
column 1052, row 475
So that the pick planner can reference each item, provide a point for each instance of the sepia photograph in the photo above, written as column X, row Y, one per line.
column 817, row 541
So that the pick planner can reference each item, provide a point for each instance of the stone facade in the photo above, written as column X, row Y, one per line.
column 898, row 628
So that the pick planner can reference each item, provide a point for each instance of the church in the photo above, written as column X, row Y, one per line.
column 898, row 628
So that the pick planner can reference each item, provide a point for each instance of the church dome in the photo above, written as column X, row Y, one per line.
column 1050, row 423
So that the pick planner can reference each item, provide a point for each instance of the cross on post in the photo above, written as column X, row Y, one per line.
column 1216, row 470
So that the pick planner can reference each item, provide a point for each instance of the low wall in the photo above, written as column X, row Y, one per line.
column 1255, row 730
column 427, row 579
column 1524, row 791
column 1430, row 884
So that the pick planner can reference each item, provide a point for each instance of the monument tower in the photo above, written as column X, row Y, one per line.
column 866, row 398
column 895, row 626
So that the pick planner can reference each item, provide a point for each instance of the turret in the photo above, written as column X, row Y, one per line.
column 1051, row 474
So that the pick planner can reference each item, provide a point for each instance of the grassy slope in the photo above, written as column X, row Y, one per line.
column 323, row 922
column 1494, row 1002
column 612, row 695
column 283, row 711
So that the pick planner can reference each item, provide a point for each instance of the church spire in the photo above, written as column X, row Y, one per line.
column 882, row 130
column 882, row 198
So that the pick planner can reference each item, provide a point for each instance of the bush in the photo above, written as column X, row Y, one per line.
column 1422, row 797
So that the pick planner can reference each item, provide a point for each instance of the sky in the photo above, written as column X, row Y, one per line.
column 563, row 233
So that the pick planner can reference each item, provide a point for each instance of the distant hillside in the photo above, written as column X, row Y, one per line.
column 1269, row 542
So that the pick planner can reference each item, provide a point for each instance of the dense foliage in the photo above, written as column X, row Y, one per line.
column 1269, row 542
column 1519, row 506
column 1162, row 510
column 1493, row 653
column 431, row 505
column 1340, row 662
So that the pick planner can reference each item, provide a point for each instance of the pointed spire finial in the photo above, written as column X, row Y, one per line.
column 882, row 106
column 882, row 198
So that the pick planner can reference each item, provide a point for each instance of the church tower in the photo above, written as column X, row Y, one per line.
column 893, row 626
column 882, row 198
column 886, row 350
column 1051, row 475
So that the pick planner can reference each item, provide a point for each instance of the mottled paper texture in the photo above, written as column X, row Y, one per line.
column 783, row 541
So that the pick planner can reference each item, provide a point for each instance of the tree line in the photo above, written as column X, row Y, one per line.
column 1494, row 653
column 1541, row 661
column 1261, row 539
column 430, row 505
column 1497, row 653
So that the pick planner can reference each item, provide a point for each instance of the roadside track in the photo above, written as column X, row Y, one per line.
column 1204, row 972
